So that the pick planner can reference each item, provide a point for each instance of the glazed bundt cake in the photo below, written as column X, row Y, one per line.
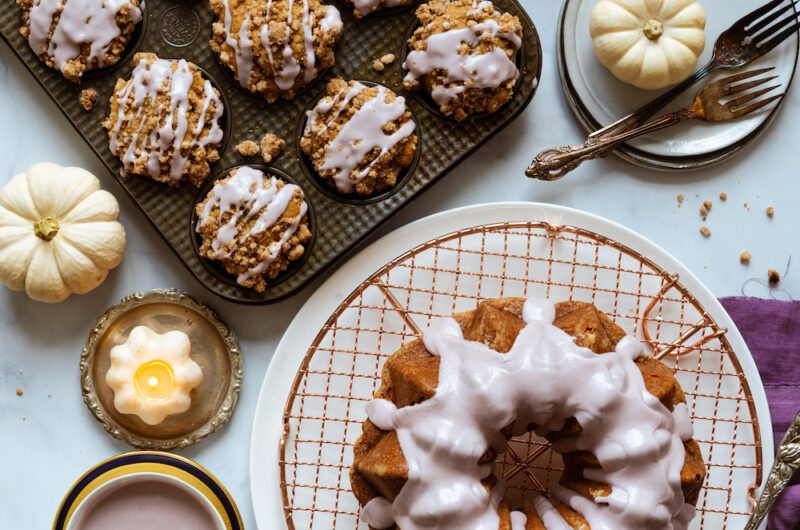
column 449, row 402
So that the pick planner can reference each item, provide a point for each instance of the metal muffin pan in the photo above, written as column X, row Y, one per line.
column 181, row 30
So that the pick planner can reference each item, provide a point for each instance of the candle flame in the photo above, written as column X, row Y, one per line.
column 153, row 381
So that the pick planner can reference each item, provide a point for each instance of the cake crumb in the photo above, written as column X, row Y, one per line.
column 247, row 148
column 19, row 391
column 88, row 97
column 705, row 208
column 680, row 199
column 770, row 211
column 378, row 66
column 705, row 231
column 774, row 277
column 723, row 196
column 745, row 256
column 271, row 147
column 49, row 396
column 388, row 58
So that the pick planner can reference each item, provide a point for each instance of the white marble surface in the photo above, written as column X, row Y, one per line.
column 48, row 437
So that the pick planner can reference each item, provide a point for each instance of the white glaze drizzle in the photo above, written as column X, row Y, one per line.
column 244, row 195
column 518, row 520
column 550, row 517
column 75, row 28
column 332, row 21
column 482, row 70
column 285, row 75
column 544, row 379
column 242, row 46
column 362, row 133
column 145, row 83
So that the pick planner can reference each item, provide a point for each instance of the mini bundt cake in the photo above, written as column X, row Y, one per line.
column 448, row 403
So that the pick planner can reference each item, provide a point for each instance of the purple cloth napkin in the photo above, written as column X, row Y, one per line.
column 771, row 329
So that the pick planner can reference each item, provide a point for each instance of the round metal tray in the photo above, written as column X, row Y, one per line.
column 215, row 348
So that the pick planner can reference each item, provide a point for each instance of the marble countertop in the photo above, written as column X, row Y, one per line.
column 48, row 438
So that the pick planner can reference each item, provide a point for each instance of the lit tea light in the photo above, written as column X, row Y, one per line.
column 152, row 374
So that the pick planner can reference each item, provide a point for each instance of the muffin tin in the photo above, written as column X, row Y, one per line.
column 175, row 29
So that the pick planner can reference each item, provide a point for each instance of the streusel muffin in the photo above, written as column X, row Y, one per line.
column 362, row 8
column 73, row 36
column 359, row 138
column 464, row 56
column 165, row 121
column 254, row 224
column 274, row 48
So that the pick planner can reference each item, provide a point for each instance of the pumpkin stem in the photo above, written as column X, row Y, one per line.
column 653, row 29
column 46, row 228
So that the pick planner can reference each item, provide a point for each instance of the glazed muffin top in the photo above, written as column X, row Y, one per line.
column 274, row 48
column 164, row 121
column 73, row 36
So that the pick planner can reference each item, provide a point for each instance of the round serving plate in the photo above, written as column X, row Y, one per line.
column 597, row 98
column 127, row 468
column 328, row 362
column 215, row 348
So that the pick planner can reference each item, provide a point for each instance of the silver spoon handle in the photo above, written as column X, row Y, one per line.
column 787, row 461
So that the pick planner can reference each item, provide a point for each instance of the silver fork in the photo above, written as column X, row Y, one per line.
column 553, row 164
column 745, row 41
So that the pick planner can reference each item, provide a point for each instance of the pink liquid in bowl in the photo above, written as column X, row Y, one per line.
column 148, row 505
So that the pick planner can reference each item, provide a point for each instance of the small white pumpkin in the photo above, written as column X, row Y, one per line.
column 650, row 44
column 59, row 232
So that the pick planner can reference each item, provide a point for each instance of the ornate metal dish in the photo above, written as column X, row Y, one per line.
column 215, row 348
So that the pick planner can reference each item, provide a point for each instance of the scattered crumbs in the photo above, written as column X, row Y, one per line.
column 745, row 256
column 704, row 209
column 378, row 66
column 19, row 391
column 271, row 147
column 680, row 199
column 774, row 277
column 49, row 396
column 705, row 231
column 247, row 148
column 723, row 196
column 388, row 58
column 87, row 99
column 770, row 211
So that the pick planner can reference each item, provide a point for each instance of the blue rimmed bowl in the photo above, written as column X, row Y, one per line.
column 147, row 466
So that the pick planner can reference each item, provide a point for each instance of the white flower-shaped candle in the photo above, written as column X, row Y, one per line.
column 152, row 374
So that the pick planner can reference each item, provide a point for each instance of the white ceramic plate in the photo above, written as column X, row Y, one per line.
column 268, row 422
column 598, row 98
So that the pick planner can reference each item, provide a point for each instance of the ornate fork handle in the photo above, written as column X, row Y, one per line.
column 787, row 461
column 552, row 164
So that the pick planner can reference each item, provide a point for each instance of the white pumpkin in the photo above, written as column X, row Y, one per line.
column 650, row 44
column 59, row 232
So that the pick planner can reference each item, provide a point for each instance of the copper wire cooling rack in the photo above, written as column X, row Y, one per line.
column 341, row 371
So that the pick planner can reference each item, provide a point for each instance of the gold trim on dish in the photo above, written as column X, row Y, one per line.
column 151, row 467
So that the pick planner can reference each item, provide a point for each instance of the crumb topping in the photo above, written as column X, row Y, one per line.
column 88, row 98
column 359, row 138
column 463, row 55
column 254, row 224
column 274, row 48
column 271, row 147
column 248, row 148
column 165, row 121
